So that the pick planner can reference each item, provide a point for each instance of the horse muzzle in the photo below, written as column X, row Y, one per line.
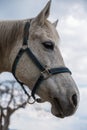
column 64, row 107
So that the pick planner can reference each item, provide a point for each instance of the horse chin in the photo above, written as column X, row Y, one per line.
column 55, row 108
column 57, row 111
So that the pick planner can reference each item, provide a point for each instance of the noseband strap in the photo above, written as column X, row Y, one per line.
column 45, row 71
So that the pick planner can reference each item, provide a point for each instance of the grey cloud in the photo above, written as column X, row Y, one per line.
column 74, row 42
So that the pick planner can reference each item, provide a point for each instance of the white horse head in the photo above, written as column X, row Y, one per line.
column 60, row 89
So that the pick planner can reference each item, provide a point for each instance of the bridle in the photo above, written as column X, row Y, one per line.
column 45, row 71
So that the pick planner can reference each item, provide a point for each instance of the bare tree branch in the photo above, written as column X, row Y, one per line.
column 12, row 98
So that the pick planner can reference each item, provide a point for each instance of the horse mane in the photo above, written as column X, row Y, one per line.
column 10, row 31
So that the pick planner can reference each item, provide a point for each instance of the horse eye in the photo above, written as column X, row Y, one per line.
column 48, row 45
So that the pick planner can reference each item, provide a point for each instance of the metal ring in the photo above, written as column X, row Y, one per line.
column 30, row 101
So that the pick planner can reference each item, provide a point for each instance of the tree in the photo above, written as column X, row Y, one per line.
column 12, row 97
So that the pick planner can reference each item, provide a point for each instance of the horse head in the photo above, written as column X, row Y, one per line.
column 60, row 89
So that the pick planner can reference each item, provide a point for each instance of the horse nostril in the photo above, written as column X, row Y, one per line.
column 74, row 99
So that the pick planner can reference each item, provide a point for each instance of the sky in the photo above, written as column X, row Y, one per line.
column 72, row 28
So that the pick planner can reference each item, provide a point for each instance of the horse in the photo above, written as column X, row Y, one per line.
column 29, row 49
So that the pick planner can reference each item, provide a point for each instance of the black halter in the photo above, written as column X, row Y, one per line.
column 45, row 72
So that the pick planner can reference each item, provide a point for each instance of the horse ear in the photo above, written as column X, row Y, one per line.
column 43, row 15
column 55, row 23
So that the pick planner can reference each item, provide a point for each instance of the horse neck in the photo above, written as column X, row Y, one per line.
column 10, row 32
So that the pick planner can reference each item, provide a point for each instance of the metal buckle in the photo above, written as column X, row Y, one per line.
column 46, row 73
column 31, row 100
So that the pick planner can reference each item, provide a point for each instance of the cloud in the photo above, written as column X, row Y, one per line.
column 72, row 29
column 74, row 49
